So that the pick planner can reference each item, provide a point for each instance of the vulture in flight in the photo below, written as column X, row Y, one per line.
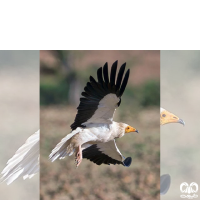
column 165, row 118
column 94, row 131
column 25, row 162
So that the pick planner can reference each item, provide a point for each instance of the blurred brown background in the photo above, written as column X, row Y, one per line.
column 180, row 149
column 19, row 108
column 63, row 77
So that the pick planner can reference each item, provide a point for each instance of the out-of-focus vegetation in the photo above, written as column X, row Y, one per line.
column 62, row 85
column 56, row 91
column 63, row 77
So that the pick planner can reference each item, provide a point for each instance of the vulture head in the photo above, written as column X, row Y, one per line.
column 125, row 128
column 129, row 129
column 167, row 117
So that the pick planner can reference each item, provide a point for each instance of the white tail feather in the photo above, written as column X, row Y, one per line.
column 64, row 148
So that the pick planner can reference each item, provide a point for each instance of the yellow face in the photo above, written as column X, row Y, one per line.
column 130, row 129
column 167, row 117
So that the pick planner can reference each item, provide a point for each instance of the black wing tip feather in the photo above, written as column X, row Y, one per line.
column 99, row 75
column 93, row 154
column 127, row 162
column 103, row 78
column 113, row 73
column 116, row 62
column 94, row 91
column 105, row 73
column 124, row 83
column 99, row 69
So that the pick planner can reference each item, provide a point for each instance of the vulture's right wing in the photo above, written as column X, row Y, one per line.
column 106, row 153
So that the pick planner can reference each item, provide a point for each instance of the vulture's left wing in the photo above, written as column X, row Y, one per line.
column 100, row 99
column 106, row 153
column 25, row 162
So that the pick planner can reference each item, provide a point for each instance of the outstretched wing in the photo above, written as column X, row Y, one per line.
column 106, row 153
column 25, row 162
column 102, row 97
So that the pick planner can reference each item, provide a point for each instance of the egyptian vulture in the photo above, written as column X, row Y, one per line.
column 165, row 118
column 94, row 131
column 25, row 162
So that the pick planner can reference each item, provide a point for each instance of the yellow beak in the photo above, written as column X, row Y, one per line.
column 131, row 129
column 167, row 117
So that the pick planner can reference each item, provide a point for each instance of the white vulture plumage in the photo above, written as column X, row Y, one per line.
column 25, row 162
column 165, row 118
column 94, row 131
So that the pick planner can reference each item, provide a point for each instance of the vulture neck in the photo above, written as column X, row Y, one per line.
column 118, row 129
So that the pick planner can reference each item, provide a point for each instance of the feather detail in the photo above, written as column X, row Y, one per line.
column 25, row 162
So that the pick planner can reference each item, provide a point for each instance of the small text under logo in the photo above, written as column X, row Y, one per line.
column 189, row 190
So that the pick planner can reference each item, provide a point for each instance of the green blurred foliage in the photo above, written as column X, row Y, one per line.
column 147, row 94
column 53, row 93
column 56, row 90
column 54, row 87
column 150, row 93
column 60, row 78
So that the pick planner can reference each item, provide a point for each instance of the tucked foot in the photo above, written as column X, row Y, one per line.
column 78, row 157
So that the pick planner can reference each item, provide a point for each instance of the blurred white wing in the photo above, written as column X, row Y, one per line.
column 25, row 162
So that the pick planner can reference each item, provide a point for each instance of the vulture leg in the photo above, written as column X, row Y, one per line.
column 78, row 156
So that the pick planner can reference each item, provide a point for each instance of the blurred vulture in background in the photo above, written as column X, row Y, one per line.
column 165, row 118
column 25, row 162
column 94, row 131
